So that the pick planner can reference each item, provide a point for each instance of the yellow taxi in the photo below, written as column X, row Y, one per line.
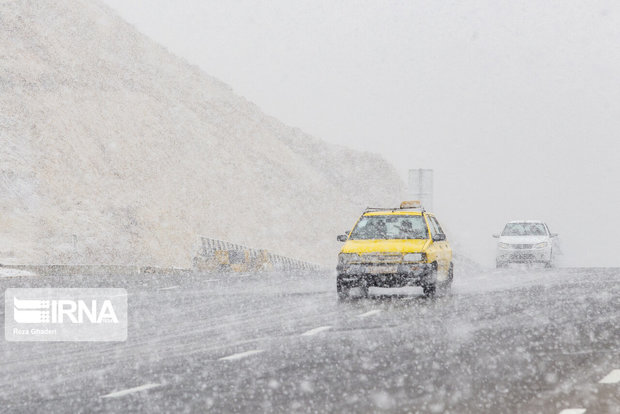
column 397, row 247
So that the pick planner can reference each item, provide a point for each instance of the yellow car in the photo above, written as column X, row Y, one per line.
column 397, row 247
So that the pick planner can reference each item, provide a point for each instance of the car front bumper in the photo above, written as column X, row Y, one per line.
column 385, row 275
column 524, row 255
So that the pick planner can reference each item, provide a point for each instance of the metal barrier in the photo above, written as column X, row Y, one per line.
column 97, row 269
column 219, row 255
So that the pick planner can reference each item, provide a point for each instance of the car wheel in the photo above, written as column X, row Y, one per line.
column 443, row 288
column 450, row 275
column 429, row 288
column 363, row 290
column 499, row 264
column 342, row 290
column 548, row 265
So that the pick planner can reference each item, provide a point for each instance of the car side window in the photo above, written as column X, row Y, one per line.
column 433, row 226
column 436, row 228
column 439, row 229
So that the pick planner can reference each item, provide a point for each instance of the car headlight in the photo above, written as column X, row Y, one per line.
column 414, row 257
column 503, row 245
column 345, row 258
column 541, row 245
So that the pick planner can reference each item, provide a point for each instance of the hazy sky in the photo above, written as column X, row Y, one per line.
column 516, row 105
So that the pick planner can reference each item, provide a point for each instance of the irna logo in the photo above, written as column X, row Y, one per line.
column 63, row 310
column 65, row 314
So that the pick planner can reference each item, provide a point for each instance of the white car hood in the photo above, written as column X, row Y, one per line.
column 523, row 239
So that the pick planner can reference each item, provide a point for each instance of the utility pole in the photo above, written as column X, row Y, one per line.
column 421, row 187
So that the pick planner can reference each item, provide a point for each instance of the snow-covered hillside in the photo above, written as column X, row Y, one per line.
column 112, row 150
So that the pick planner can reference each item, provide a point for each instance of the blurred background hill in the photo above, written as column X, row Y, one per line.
column 115, row 151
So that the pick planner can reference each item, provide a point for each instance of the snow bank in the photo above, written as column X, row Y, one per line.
column 115, row 151
column 7, row 272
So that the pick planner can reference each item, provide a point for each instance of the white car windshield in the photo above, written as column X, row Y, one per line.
column 390, row 227
column 524, row 229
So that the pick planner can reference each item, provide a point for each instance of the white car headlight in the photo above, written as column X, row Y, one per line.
column 345, row 258
column 503, row 245
column 541, row 245
column 414, row 257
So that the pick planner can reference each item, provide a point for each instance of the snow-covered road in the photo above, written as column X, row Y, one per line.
column 509, row 341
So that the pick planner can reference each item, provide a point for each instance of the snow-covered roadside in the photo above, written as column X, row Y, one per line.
column 7, row 272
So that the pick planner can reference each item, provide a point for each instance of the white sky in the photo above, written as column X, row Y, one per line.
column 516, row 105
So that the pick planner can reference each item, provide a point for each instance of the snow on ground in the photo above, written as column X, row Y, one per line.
column 8, row 272
column 503, row 341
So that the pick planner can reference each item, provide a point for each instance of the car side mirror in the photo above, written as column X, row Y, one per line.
column 496, row 236
column 439, row 237
column 342, row 238
column 554, row 235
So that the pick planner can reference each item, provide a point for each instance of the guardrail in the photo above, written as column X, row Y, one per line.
column 212, row 255
column 219, row 255
column 95, row 269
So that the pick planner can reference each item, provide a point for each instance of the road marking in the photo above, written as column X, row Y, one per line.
column 369, row 313
column 611, row 378
column 573, row 411
column 117, row 394
column 170, row 287
column 241, row 355
column 316, row 330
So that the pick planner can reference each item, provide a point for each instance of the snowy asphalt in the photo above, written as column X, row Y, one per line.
column 509, row 341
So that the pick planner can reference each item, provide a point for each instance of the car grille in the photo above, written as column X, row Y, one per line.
column 381, row 257
column 521, row 246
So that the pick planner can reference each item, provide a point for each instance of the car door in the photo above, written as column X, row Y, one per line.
column 433, row 251
column 444, row 253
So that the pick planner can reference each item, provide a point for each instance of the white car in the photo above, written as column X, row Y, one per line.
column 525, row 241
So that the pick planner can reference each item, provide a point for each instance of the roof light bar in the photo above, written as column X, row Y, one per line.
column 405, row 205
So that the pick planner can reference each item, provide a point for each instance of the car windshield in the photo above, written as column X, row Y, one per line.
column 524, row 229
column 390, row 227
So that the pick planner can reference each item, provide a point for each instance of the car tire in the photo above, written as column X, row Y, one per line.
column 443, row 288
column 363, row 290
column 549, row 264
column 500, row 264
column 429, row 288
column 343, row 291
